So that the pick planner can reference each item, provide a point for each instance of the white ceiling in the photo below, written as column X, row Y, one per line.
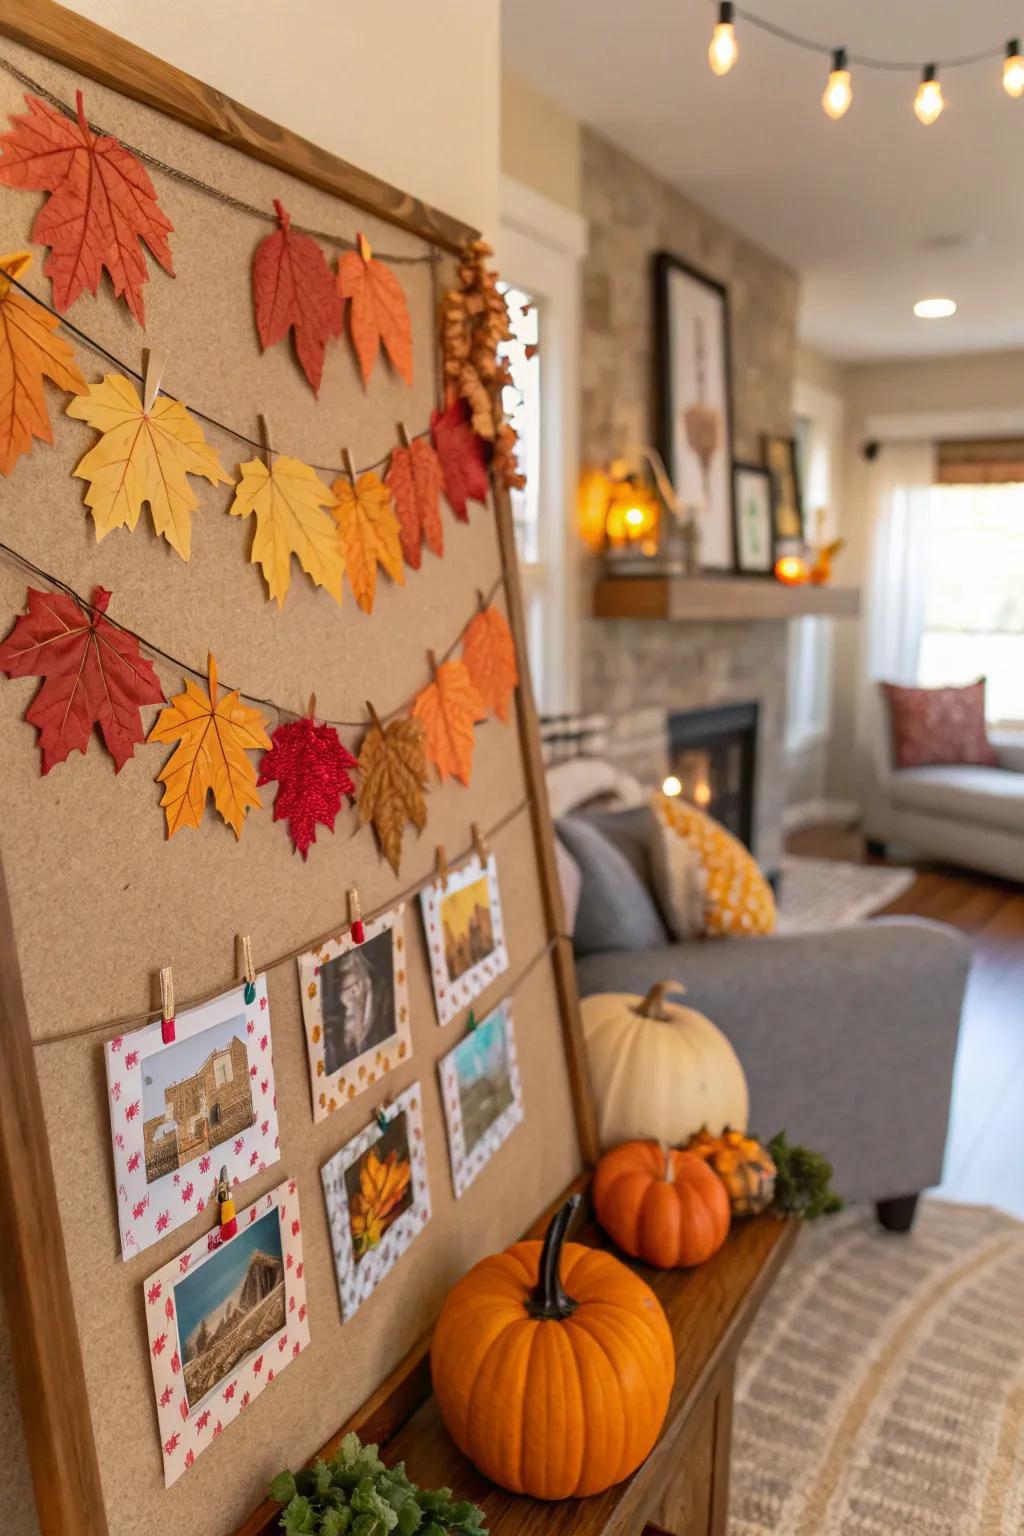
column 874, row 211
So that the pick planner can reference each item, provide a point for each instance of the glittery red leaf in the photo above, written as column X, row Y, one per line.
column 102, row 204
column 414, row 479
column 93, row 675
column 293, row 287
column 312, row 770
column 461, row 453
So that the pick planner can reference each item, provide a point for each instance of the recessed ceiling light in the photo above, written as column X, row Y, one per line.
column 934, row 309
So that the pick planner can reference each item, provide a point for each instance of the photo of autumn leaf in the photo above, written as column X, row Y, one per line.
column 379, row 1187
column 468, row 927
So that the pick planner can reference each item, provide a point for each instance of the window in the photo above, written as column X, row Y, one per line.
column 974, row 593
column 521, row 404
column 222, row 1071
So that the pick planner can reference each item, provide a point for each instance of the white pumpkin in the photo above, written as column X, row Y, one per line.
column 660, row 1070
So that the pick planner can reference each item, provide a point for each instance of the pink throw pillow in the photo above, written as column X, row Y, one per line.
column 938, row 725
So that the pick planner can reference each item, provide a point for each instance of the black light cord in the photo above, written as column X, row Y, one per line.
column 864, row 60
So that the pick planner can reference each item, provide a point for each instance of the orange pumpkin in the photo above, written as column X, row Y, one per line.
column 746, row 1169
column 661, row 1205
column 554, row 1392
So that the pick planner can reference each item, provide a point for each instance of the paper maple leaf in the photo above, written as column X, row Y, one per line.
column 102, row 204
column 462, row 458
column 29, row 350
column 313, row 770
column 369, row 535
column 393, row 776
column 294, row 289
column 489, row 653
column 141, row 458
column 379, row 312
column 449, row 707
column 93, row 675
column 288, row 502
column 414, row 479
column 214, row 735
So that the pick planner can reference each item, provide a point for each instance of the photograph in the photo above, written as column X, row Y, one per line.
column 787, row 506
column 377, row 1197
column 180, row 1112
column 465, row 934
column 694, row 393
column 355, row 1008
column 482, row 1096
column 755, row 542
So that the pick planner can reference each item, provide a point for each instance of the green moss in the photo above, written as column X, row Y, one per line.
column 803, row 1181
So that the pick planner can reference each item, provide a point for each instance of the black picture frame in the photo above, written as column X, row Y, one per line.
column 760, row 471
column 668, row 269
column 773, row 447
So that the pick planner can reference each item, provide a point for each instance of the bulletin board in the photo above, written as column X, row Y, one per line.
column 97, row 899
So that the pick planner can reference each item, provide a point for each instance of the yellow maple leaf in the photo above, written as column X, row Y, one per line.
column 370, row 534
column 143, row 457
column 449, row 707
column 214, row 735
column 287, row 501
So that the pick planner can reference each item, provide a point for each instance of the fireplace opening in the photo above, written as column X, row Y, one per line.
column 713, row 757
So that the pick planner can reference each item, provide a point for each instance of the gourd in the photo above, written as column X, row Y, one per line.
column 746, row 1169
column 658, row 1069
column 661, row 1205
column 552, row 1366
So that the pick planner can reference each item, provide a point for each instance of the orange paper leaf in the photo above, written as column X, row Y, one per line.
column 379, row 312
column 29, row 350
column 214, row 737
column 414, row 479
column 449, row 707
column 393, row 775
column 368, row 533
column 489, row 653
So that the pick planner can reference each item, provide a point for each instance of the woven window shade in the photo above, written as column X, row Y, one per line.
column 989, row 462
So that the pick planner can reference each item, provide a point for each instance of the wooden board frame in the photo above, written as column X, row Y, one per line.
column 33, row 1262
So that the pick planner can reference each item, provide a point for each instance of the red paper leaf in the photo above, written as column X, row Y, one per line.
column 461, row 453
column 93, row 675
column 293, row 288
column 102, row 204
column 414, row 479
column 312, row 770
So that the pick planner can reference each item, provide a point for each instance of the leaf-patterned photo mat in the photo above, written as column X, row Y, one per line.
column 469, row 1157
column 450, row 997
column 359, row 1277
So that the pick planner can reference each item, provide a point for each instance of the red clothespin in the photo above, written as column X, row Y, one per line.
column 442, row 867
column 167, row 1006
column 355, row 918
column 228, row 1219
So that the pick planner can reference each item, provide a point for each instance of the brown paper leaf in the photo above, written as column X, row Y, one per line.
column 393, row 776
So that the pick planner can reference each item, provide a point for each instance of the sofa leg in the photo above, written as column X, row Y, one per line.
column 897, row 1214
column 874, row 848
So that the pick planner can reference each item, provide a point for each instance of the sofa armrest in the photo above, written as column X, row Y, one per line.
column 1009, row 747
column 847, row 1037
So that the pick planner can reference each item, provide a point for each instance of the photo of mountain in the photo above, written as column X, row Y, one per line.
column 231, row 1305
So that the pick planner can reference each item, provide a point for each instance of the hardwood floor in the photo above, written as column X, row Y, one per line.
column 985, row 1152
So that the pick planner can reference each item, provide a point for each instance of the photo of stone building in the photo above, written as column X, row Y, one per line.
column 468, row 927
column 209, row 1105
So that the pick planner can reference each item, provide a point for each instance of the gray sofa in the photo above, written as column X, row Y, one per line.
column 847, row 1037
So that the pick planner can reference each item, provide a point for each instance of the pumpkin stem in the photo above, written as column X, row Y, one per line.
column 549, row 1300
column 653, row 1005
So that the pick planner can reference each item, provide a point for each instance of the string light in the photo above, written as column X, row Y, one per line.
column 723, row 50
column 928, row 102
column 839, row 92
column 1013, row 69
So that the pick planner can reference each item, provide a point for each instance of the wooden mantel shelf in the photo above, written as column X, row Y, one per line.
column 717, row 599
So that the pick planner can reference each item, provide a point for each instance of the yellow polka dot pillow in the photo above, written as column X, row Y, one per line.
column 706, row 881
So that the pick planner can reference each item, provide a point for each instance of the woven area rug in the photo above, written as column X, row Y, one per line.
column 881, row 1390
column 828, row 893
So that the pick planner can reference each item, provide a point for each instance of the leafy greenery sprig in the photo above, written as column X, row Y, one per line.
column 355, row 1494
column 803, row 1180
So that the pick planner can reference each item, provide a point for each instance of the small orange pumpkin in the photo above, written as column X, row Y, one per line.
column 745, row 1168
column 553, row 1392
column 660, row 1205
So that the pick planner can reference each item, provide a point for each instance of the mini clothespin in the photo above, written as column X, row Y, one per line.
column 265, row 447
column 311, row 711
column 167, row 1005
column 153, row 364
column 403, row 436
column 442, row 866
column 248, row 972
column 471, row 1021
column 349, row 463
column 479, row 842
column 228, row 1219
column 365, row 248
column 381, row 1116
column 432, row 664
column 355, row 917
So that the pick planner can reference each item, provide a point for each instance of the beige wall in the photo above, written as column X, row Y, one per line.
column 409, row 92
column 540, row 143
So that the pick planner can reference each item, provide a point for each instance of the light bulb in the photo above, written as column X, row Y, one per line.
column 1013, row 69
column 838, row 92
column 724, row 51
column 671, row 786
column 928, row 102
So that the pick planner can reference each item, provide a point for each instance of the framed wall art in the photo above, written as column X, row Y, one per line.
column 377, row 1197
column 180, row 1112
column 223, row 1319
column 355, row 1007
column 694, row 400
column 482, row 1095
column 465, row 935
column 787, row 503
column 755, row 533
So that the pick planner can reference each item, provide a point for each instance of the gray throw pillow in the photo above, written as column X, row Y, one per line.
column 630, row 831
column 616, row 910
